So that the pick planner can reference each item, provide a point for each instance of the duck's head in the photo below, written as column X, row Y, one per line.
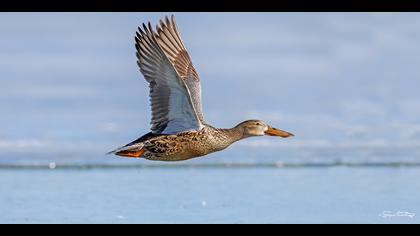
column 260, row 128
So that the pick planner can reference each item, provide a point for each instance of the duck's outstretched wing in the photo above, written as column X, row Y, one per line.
column 173, row 47
column 172, row 106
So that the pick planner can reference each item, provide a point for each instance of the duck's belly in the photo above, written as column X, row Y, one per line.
column 177, row 148
column 181, row 154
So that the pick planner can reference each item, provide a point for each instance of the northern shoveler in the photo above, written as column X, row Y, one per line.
column 178, row 130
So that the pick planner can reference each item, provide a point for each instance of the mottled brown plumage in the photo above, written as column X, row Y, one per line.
column 189, row 144
column 179, row 131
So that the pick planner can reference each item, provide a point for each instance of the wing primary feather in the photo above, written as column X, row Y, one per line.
column 174, row 34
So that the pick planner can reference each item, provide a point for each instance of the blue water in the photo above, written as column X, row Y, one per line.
column 209, row 194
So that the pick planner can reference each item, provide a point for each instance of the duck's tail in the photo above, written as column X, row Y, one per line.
column 132, row 151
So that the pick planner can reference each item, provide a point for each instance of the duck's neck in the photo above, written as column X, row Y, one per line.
column 234, row 134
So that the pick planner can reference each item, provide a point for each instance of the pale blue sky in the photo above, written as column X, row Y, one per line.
column 69, row 81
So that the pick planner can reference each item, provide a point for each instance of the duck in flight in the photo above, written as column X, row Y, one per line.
column 178, row 130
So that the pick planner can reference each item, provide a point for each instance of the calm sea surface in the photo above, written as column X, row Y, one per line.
column 144, row 192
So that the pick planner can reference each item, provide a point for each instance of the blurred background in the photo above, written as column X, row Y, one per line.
column 345, row 84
